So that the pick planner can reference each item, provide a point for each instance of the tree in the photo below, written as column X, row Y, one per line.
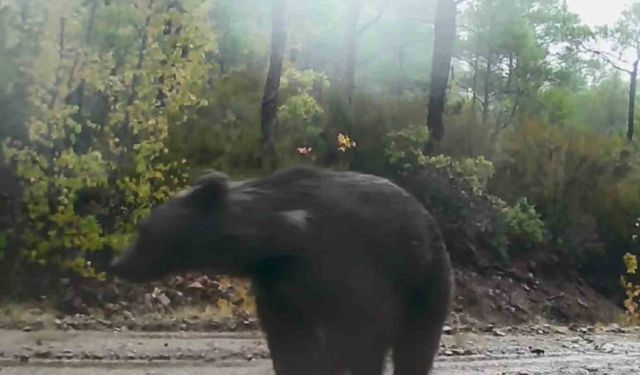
column 444, row 37
column 83, row 200
column 269, row 115
column 514, row 51
column 624, row 54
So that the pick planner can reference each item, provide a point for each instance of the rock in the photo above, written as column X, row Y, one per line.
column 27, row 329
column 591, row 368
column 498, row 333
column 536, row 351
column 156, row 292
column 615, row 328
column 607, row 348
column 447, row 330
column 488, row 328
column 164, row 300
column 232, row 325
column 195, row 285
column 95, row 356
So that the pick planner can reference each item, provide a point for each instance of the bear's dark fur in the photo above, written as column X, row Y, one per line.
column 345, row 266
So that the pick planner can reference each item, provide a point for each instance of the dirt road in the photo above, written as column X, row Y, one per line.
column 533, row 351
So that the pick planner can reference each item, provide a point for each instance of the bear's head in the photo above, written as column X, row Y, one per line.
column 178, row 234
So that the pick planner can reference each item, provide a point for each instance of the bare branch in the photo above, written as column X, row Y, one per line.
column 609, row 59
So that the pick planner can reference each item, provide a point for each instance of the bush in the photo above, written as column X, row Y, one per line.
column 586, row 187
column 454, row 191
column 405, row 153
column 404, row 148
column 524, row 226
column 475, row 172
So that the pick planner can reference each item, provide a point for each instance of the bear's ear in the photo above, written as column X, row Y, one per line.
column 208, row 191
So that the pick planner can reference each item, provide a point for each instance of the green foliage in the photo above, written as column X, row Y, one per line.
column 517, row 50
column 404, row 148
column 524, row 225
column 603, row 106
column 300, row 111
column 122, row 158
column 475, row 172
column 405, row 153
column 584, row 184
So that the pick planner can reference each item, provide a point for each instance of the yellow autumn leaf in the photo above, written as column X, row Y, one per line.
column 631, row 263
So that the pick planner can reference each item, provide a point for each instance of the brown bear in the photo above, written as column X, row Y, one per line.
column 345, row 266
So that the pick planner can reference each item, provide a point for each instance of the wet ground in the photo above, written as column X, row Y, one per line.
column 534, row 350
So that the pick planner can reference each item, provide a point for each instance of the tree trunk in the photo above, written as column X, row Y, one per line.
column 474, row 98
column 487, row 89
column 92, row 22
column 269, row 115
column 632, row 100
column 400, row 80
column 444, row 37
column 353, row 17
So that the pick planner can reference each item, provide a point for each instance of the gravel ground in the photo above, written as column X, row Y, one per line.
column 531, row 350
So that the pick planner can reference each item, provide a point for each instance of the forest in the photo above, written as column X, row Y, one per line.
column 514, row 118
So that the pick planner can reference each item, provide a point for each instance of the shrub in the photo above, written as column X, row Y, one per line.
column 456, row 191
column 475, row 172
column 586, row 187
column 404, row 149
column 524, row 226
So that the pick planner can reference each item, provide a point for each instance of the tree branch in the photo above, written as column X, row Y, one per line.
column 608, row 59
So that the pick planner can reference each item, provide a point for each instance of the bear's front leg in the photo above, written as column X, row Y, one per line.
column 294, row 343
